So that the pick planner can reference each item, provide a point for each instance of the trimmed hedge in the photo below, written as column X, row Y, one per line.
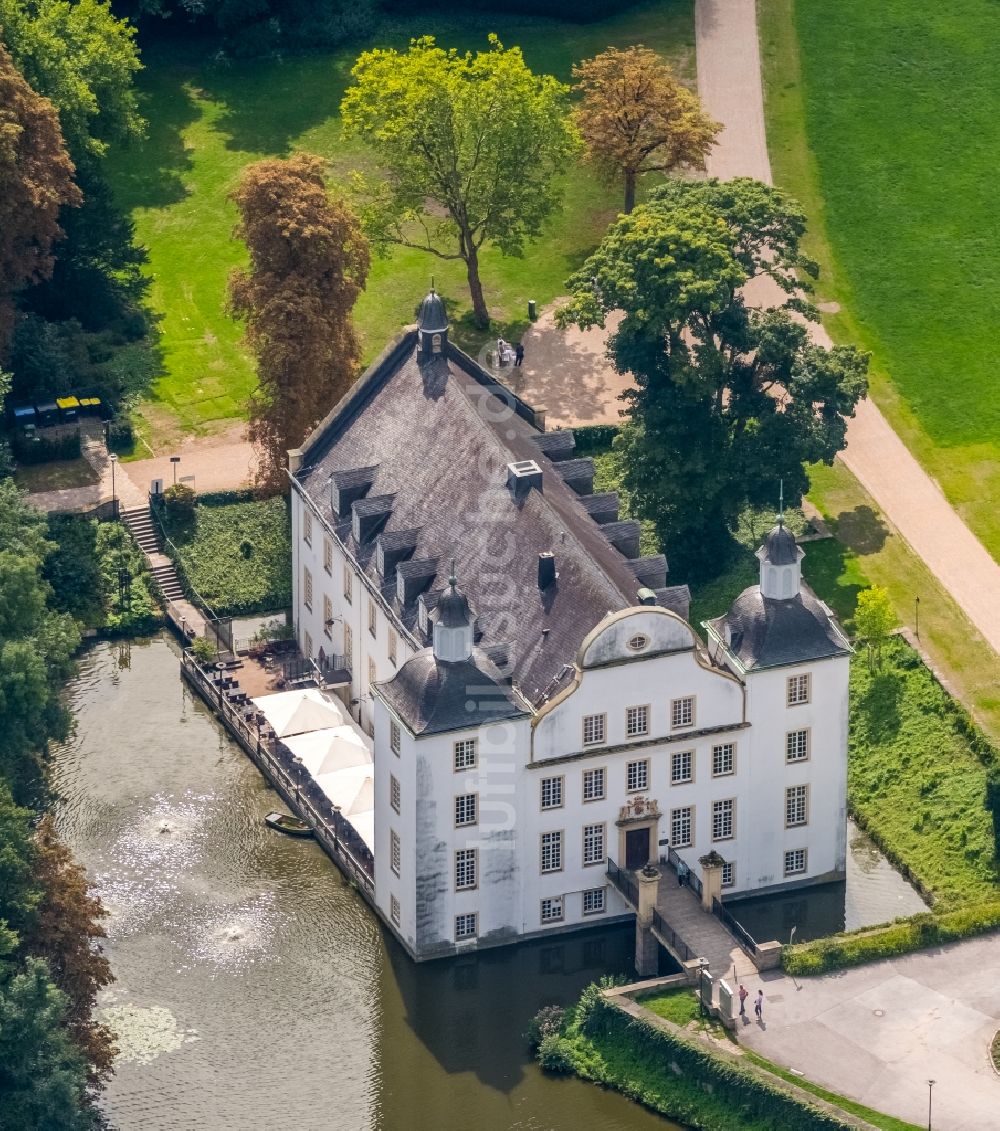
column 591, row 438
column 900, row 937
column 676, row 1077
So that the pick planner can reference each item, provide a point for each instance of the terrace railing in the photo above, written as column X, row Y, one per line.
column 625, row 883
column 735, row 927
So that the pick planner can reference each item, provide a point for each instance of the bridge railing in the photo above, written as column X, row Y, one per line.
column 671, row 938
column 736, row 928
column 625, row 882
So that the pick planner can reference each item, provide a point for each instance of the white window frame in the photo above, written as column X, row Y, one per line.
column 721, row 751
column 466, row 865
column 550, row 856
column 328, row 555
column 676, row 761
column 590, row 777
column 679, row 817
column 793, row 856
column 796, row 806
column 395, row 737
column 392, row 646
column 395, row 852
column 552, row 909
column 729, row 874
column 466, row 926
column 798, row 690
column 348, row 584
column 466, row 810
column 597, row 899
column 307, row 588
column 723, row 817
column 596, row 726
column 796, row 740
column 682, row 712
column 637, row 721
column 395, row 793
column 394, row 910
column 595, row 837
column 551, row 792
column 307, row 526
column 637, row 775
column 465, row 754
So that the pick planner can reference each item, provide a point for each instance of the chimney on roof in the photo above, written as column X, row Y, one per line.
column 522, row 476
column 546, row 570
column 646, row 596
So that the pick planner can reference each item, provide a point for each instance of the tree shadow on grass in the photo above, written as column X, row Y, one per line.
column 862, row 530
column 880, row 706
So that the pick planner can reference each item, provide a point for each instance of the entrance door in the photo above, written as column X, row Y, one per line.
column 636, row 848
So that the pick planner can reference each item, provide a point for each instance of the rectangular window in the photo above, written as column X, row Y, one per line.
column 681, row 767
column 392, row 645
column 307, row 527
column 348, row 644
column 348, row 583
column 796, row 862
column 593, row 901
column 307, row 588
column 681, row 827
column 723, row 819
column 636, row 721
column 465, row 754
column 593, row 784
column 593, row 844
column 728, row 875
column 394, row 909
column 723, row 759
column 396, row 852
column 798, row 690
column 637, row 775
column 466, row 926
column 552, row 909
column 797, row 746
column 395, row 793
column 372, row 674
column 594, row 729
column 466, row 809
column 552, row 845
column 328, row 555
column 796, row 805
column 394, row 736
column 327, row 616
column 466, row 869
column 682, row 712
column 552, row 793
column 372, row 617
column 307, row 646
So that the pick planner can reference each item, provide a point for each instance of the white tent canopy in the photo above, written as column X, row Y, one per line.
column 330, row 750
column 300, row 712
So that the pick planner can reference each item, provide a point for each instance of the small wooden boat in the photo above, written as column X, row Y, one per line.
column 284, row 823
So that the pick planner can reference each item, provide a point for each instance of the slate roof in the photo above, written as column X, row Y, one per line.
column 763, row 632
column 432, row 697
column 436, row 438
column 780, row 547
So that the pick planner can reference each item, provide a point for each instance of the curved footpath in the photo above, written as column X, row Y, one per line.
column 880, row 1032
column 729, row 82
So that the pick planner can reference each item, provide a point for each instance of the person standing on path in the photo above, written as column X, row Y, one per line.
column 744, row 994
column 518, row 355
column 758, row 1005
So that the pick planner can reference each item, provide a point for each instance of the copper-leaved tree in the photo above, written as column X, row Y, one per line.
column 36, row 180
column 636, row 117
column 308, row 263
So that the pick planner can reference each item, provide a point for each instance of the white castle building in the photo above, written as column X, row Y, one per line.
column 539, row 702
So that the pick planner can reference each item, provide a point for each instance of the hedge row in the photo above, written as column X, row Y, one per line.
column 591, row 438
column 900, row 937
column 678, row 1078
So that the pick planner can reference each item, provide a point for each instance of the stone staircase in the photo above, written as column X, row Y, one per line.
column 140, row 523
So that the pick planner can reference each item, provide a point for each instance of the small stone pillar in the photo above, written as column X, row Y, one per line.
column 647, row 953
column 726, row 1004
column 711, row 879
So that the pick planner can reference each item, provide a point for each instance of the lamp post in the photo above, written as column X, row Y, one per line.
column 175, row 460
column 930, row 1097
column 916, row 617
column 114, row 494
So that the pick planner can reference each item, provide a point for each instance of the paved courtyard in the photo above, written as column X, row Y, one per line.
column 878, row 1033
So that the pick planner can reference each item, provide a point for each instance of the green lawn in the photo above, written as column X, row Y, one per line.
column 884, row 120
column 237, row 556
column 207, row 121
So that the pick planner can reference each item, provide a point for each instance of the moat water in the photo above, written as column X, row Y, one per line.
column 254, row 986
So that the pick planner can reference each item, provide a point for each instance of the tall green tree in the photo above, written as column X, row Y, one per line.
column 874, row 619
column 36, row 181
column 308, row 263
column 470, row 145
column 727, row 399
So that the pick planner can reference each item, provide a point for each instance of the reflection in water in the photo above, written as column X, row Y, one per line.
column 254, row 986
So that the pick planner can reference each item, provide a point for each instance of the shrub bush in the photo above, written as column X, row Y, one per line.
column 555, row 1055
column 204, row 649
column 121, row 435
column 547, row 1021
column 45, row 449
column 180, row 502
